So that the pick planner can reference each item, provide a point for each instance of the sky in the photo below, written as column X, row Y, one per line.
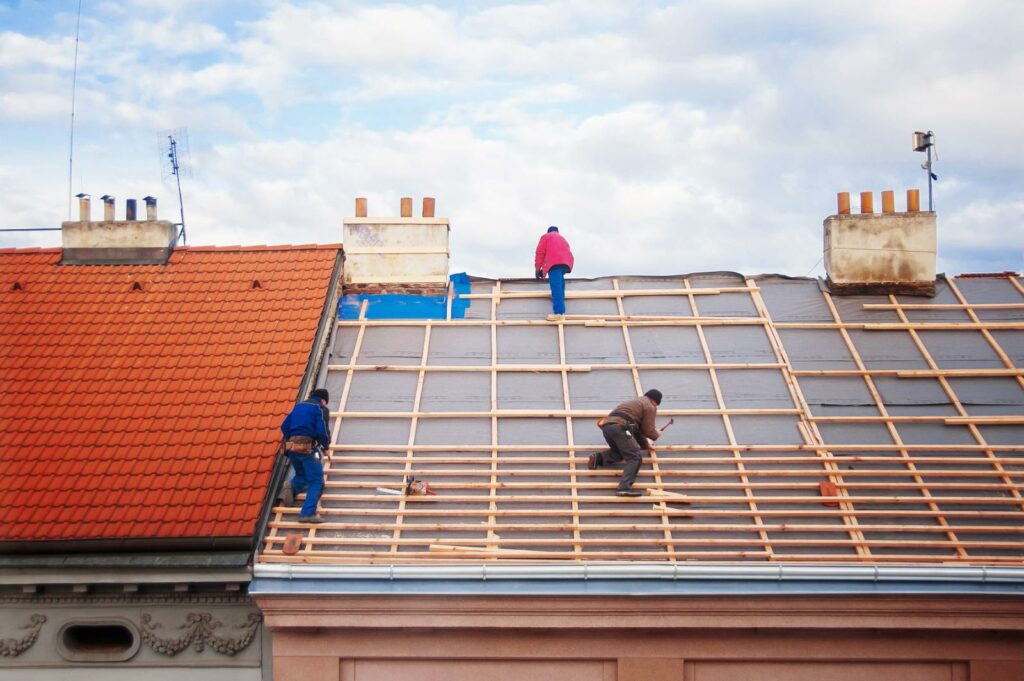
column 661, row 137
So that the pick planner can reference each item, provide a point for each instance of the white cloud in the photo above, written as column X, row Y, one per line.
column 19, row 51
column 662, row 138
column 170, row 37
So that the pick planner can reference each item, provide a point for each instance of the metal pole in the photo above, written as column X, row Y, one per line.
column 177, row 176
column 74, row 86
column 930, row 171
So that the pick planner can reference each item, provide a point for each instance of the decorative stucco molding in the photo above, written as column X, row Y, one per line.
column 12, row 647
column 199, row 634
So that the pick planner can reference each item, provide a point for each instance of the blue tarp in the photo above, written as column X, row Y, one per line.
column 405, row 306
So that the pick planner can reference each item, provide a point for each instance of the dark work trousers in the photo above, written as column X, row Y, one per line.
column 622, row 447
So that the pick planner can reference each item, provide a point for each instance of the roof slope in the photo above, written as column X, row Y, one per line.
column 142, row 401
column 807, row 427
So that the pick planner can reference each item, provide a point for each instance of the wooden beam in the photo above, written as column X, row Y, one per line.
column 944, row 326
column 984, row 420
column 611, row 293
column 534, row 368
column 794, row 447
column 944, row 306
column 638, row 388
column 596, row 321
column 655, row 528
column 550, row 413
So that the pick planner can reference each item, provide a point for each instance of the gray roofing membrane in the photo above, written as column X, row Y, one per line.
column 798, row 434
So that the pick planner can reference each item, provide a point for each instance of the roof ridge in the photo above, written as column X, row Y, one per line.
column 198, row 249
column 32, row 249
column 263, row 247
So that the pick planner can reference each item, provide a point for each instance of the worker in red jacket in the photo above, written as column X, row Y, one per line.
column 554, row 260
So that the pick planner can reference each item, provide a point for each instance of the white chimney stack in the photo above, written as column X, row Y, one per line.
column 872, row 253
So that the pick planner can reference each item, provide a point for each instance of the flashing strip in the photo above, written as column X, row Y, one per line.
column 648, row 571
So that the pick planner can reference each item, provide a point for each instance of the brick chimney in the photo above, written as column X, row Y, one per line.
column 117, row 242
column 887, row 252
column 405, row 254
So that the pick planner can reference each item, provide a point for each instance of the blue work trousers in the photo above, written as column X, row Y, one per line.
column 309, row 478
column 556, row 277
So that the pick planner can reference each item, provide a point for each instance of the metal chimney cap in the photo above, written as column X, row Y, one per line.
column 149, row 199
column 106, row 197
column 83, row 195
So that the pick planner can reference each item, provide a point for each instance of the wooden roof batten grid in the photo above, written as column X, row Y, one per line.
column 572, row 515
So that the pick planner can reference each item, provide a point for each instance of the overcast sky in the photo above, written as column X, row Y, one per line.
column 661, row 137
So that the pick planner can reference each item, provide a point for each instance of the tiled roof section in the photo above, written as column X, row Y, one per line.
column 143, row 401
column 813, row 428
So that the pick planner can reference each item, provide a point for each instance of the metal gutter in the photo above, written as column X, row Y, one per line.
column 645, row 571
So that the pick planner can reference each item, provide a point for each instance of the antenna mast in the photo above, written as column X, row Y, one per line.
column 925, row 141
column 74, row 86
column 175, row 162
column 172, row 156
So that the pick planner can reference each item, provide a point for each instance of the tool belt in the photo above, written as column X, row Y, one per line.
column 629, row 424
column 299, row 444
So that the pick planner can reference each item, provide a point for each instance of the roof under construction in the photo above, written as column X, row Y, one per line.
column 871, row 429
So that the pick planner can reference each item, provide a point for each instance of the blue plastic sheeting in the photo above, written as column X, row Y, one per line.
column 404, row 306
column 614, row 587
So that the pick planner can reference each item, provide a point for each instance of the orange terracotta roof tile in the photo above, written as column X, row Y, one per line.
column 148, row 413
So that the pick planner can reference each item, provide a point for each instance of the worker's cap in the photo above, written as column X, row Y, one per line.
column 321, row 394
column 655, row 396
column 552, row 228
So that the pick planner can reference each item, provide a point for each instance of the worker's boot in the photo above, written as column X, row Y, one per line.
column 628, row 492
column 556, row 317
column 594, row 461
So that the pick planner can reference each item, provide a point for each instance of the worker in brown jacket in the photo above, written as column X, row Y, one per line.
column 627, row 430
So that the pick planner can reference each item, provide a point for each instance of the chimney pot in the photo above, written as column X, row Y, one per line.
column 843, row 203
column 406, row 206
column 913, row 200
column 867, row 202
column 428, row 206
column 129, row 210
column 108, row 207
column 360, row 207
column 84, row 208
column 888, row 201
column 150, row 207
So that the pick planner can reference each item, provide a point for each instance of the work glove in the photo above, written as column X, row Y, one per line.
column 539, row 274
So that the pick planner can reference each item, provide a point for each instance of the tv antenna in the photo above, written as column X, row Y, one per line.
column 925, row 141
column 175, row 161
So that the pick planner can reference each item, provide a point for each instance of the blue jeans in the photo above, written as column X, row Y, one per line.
column 309, row 478
column 556, row 277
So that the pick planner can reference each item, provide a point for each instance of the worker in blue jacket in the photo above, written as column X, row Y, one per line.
column 305, row 432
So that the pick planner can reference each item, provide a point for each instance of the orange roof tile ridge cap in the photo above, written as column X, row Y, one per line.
column 31, row 249
column 261, row 247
